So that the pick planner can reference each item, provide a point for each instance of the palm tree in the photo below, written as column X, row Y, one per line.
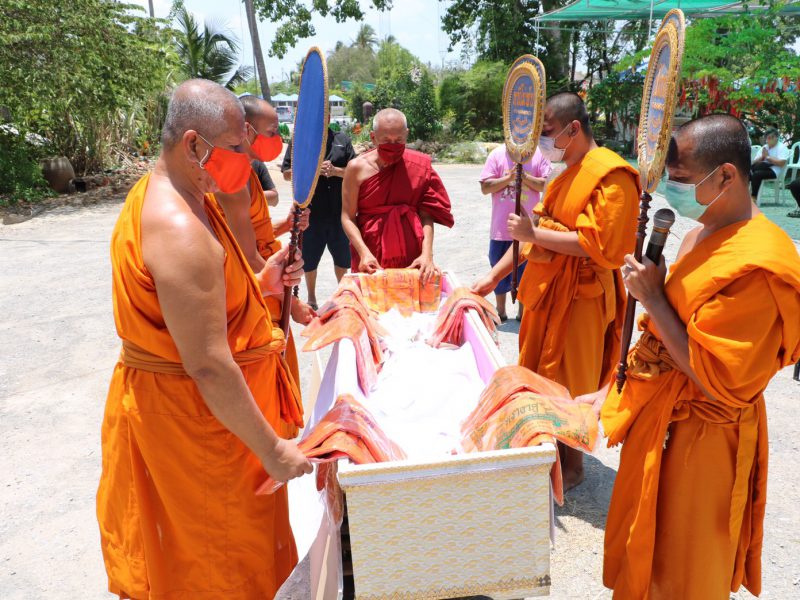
column 209, row 54
column 366, row 38
column 252, row 25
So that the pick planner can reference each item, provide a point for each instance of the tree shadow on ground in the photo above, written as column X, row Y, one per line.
column 589, row 501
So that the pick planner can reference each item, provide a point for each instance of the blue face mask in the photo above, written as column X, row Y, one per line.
column 683, row 197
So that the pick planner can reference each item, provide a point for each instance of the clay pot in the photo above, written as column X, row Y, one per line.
column 58, row 172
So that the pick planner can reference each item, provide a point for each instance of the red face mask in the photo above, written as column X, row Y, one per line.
column 230, row 170
column 391, row 153
column 266, row 148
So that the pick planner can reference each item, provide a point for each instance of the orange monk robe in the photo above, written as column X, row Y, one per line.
column 687, row 522
column 575, row 306
column 176, row 503
column 389, row 204
column 267, row 245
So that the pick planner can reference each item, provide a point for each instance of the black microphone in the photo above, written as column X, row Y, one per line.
column 662, row 221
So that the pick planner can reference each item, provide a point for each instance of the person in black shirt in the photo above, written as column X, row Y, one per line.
column 325, row 222
column 267, row 184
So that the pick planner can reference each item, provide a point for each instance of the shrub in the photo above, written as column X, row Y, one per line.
column 22, row 175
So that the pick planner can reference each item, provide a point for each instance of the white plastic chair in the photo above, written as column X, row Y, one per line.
column 778, row 184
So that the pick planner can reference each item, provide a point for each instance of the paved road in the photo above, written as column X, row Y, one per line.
column 57, row 349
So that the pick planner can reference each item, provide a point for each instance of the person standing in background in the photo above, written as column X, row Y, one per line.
column 498, row 178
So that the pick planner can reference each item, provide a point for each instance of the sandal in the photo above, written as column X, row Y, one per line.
column 503, row 318
column 313, row 306
column 795, row 214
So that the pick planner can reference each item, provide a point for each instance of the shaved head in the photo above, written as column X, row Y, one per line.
column 255, row 108
column 711, row 141
column 388, row 118
column 566, row 107
column 202, row 106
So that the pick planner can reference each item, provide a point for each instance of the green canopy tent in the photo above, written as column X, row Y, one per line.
column 630, row 10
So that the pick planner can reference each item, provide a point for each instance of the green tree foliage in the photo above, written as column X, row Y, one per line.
column 352, row 63
column 745, row 65
column 473, row 99
column 208, row 53
column 618, row 98
column 365, row 38
column 421, row 109
column 355, row 101
column 294, row 18
column 501, row 30
column 87, row 75
column 19, row 163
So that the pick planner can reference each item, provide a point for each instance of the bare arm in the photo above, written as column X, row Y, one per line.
column 237, row 213
column 287, row 175
column 533, row 183
column 502, row 268
column 350, row 208
column 272, row 197
column 492, row 185
column 563, row 242
column 187, row 266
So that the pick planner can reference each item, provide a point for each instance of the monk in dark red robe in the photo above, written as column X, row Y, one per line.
column 391, row 198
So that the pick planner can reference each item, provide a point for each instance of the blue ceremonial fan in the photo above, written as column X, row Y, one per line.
column 309, row 143
column 310, row 135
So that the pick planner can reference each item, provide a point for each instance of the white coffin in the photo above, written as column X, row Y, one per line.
column 460, row 525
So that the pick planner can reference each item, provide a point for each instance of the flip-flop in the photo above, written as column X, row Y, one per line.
column 503, row 318
column 313, row 306
column 795, row 214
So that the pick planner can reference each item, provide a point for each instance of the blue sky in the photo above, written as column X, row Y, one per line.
column 415, row 24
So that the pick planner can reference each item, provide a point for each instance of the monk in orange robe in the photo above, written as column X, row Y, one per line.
column 247, row 213
column 391, row 198
column 687, row 511
column 200, row 386
column 572, row 290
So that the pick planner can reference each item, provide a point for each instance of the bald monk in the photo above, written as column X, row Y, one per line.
column 391, row 198
column 687, row 511
column 572, row 290
column 247, row 214
column 200, row 386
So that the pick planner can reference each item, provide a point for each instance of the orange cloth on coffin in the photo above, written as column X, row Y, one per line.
column 176, row 502
column 687, row 521
column 267, row 245
column 571, row 327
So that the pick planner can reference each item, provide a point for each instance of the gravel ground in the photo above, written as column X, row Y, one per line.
column 58, row 349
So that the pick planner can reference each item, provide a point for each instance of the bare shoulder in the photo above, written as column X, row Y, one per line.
column 361, row 167
column 176, row 237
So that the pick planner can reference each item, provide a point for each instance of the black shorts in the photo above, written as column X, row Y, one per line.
column 322, row 234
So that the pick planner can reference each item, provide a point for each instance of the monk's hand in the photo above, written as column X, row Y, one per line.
column 304, row 217
column 286, row 461
column 279, row 271
column 368, row 264
column 483, row 286
column 644, row 280
column 427, row 269
column 302, row 313
column 520, row 227
column 596, row 399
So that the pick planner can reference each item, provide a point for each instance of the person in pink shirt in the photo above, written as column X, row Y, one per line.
column 498, row 178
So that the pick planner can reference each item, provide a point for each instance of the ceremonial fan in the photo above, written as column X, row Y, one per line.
column 523, row 107
column 655, row 129
column 309, row 142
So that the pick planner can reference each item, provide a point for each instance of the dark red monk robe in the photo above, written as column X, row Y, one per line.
column 389, row 204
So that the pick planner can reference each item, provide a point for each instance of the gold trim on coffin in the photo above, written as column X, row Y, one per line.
column 670, row 36
column 489, row 461
column 508, row 585
column 520, row 153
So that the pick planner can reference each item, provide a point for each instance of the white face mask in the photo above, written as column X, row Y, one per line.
column 547, row 146
column 683, row 197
